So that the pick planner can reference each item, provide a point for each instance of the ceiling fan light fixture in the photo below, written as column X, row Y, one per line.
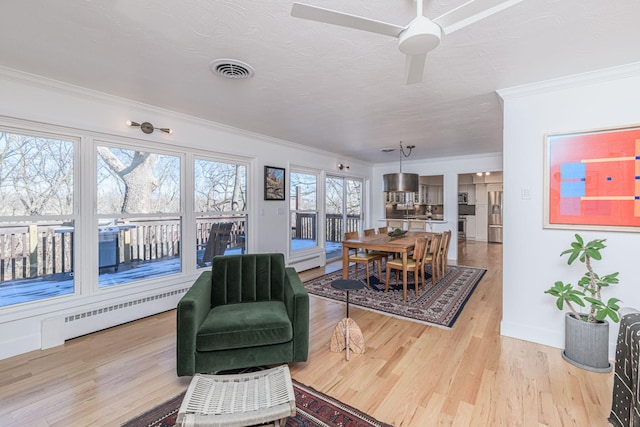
column 422, row 36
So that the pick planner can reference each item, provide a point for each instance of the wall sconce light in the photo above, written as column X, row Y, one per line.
column 342, row 166
column 147, row 127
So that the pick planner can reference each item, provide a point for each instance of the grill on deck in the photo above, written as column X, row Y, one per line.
column 108, row 247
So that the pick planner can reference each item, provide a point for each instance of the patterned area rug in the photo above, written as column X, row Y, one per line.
column 313, row 409
column 438, row 305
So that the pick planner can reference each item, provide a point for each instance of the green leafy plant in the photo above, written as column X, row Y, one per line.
column 589, row 286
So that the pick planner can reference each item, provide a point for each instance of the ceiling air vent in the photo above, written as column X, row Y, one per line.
column 231, row 69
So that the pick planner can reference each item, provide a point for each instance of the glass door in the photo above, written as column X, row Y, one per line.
column 343, row 211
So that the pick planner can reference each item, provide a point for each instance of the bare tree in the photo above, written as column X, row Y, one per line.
column 237, row 200
column 36, row 175
column 137, row 177
column 220, row 187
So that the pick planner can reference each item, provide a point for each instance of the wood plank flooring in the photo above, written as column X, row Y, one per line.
column 410, row 375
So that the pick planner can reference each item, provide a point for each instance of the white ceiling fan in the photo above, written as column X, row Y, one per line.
column 419, row 37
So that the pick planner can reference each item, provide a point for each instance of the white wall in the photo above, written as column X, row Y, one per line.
column 450, row 168
column 531, row 254
column 32, row 101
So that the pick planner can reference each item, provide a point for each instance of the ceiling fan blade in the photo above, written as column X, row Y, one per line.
column 334, row 17
column 471, row 12
column 414, row 68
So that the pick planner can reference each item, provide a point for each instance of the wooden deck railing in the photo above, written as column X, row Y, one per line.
column 334, row 229
column 28, row 251
column 31, row 251
column 305, row 226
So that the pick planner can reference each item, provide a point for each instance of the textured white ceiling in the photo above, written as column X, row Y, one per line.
column 334, row 88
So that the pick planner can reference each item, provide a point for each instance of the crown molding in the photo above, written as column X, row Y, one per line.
column 67, row 89
column 572, row 81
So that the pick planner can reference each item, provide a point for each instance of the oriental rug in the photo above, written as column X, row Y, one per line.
column 437, row 305
column 313, row 409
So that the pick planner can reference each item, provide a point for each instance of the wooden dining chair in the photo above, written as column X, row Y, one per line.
column 442, row 260
column 392, row 224
column 363, row 258
column 383, row 254
column 414, row 265
column 382, row 230
column 431, row 256
column 416, row 225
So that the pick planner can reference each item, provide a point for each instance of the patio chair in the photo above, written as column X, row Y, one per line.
column 219, row 237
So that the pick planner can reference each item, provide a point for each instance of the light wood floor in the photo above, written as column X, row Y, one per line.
column 410, row 375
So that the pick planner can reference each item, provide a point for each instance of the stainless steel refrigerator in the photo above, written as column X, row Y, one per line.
column 495, row 216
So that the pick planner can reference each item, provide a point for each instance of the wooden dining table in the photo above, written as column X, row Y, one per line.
column 383, row 242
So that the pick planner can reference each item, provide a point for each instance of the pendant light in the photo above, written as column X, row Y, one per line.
column 401, row 182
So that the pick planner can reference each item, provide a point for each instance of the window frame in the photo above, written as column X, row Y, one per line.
column 199, row 156
column 74, row 215
column 319, row 246
column 98, row 217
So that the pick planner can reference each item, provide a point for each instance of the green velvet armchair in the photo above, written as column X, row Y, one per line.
column 249, row 310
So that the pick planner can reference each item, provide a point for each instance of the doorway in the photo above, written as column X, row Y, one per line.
column 343, row 211
column 474, row 221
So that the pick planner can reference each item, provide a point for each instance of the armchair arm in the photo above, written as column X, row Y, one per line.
column 296, row 299
column 192, row 310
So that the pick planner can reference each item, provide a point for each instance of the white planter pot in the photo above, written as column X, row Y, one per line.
column 586, row 345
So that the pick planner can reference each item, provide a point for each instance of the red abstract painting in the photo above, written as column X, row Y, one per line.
column 594, row 179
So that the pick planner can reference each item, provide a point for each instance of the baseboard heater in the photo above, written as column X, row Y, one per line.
column 56, row 330
column 122, row 305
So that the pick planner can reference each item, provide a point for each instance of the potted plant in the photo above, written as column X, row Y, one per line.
column 587, row 334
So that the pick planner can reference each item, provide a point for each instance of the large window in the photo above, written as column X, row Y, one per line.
column 80, row 215
column 139, row 215
column 37, row 217
column 303, row 198
column 221, row 209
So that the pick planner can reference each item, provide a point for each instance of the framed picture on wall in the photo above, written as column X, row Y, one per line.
column 592, row 180
column 274, row 183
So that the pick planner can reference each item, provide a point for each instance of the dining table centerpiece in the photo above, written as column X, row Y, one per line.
column 398, row 232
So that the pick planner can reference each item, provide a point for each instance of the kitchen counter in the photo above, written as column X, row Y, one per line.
column 437, row 218
column 426, row 217
column 429, row 222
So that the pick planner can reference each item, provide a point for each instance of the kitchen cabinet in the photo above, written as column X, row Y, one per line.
column 471, row 227
column 482, row 214
column 470, row 189
column 422, row 195
column 396, row 198
column 471, row 192
column 434, row 195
